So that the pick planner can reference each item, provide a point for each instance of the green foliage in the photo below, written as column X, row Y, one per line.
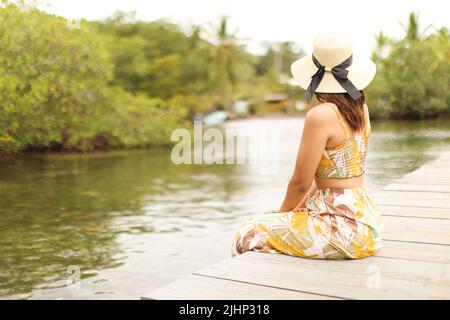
column 56, row 93
column 278, row 58
column 117, row 83
column 137, row 121
column 155, row 58
column 230, row 63
column 158, row 59
column 417, row 81
column 412, row 79
column 52, row 84
column 123, row 83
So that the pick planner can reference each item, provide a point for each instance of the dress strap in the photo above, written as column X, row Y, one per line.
column 367, row 121
column 341, row 119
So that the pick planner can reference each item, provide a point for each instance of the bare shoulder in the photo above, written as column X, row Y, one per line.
column 321, row 114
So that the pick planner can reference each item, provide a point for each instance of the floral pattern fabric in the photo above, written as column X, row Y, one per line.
column 335, row 224
column 348, row 158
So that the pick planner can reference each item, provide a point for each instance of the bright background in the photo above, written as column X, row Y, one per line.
column 283, row 20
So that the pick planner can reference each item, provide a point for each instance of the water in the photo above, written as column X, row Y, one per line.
column 128, row 222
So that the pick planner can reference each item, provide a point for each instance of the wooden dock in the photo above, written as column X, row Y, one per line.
column 414, row 263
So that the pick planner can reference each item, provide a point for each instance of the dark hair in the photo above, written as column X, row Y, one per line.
column 351, row 110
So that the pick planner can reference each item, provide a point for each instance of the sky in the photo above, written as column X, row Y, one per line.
column 257, row 21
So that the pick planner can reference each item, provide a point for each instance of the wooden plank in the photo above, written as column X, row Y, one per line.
column 414, row 199
column 424, row 196
column 433, row 167
column 417, row 187
column 423, row 230
column 413, row 264
column 419, row 203
column 425, row 173
column 371, row 278
column 429, row 171
column 415, row 251
column 425, row 180
column 435, row 174
column 432, row 213
column 196, row 287
column 438, row 177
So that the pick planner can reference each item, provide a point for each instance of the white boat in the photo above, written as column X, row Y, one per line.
column 216, row 117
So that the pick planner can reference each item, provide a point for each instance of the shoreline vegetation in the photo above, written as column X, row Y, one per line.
column 121, row 83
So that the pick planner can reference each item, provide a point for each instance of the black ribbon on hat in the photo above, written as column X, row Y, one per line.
column 339, row 72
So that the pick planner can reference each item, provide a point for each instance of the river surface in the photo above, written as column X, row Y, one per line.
column 127, row 222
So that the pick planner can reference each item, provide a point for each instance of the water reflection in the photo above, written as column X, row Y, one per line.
column 122, row 215
column 62, row 210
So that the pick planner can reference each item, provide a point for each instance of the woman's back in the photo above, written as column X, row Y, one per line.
column 326, row 212
column 347, row 159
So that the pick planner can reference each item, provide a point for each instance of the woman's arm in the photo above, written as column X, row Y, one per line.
column 308, row 194
column 314, row 139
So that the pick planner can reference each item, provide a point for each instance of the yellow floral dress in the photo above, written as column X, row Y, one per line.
column 336, row 223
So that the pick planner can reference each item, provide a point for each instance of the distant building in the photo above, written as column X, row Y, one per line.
column 275, row 103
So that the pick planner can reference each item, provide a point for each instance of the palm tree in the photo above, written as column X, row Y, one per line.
column 285, row 53
column 443, row 35
column 412, row 29
column 229, row 62
column 195, row 38
column 382, row 42
column 441, row 42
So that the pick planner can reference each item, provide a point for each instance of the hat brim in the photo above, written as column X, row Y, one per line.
column 360, row 73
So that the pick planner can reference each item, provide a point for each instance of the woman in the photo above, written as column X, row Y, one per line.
column 326, row 212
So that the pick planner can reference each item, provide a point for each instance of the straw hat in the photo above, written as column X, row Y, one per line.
column 333, row 68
